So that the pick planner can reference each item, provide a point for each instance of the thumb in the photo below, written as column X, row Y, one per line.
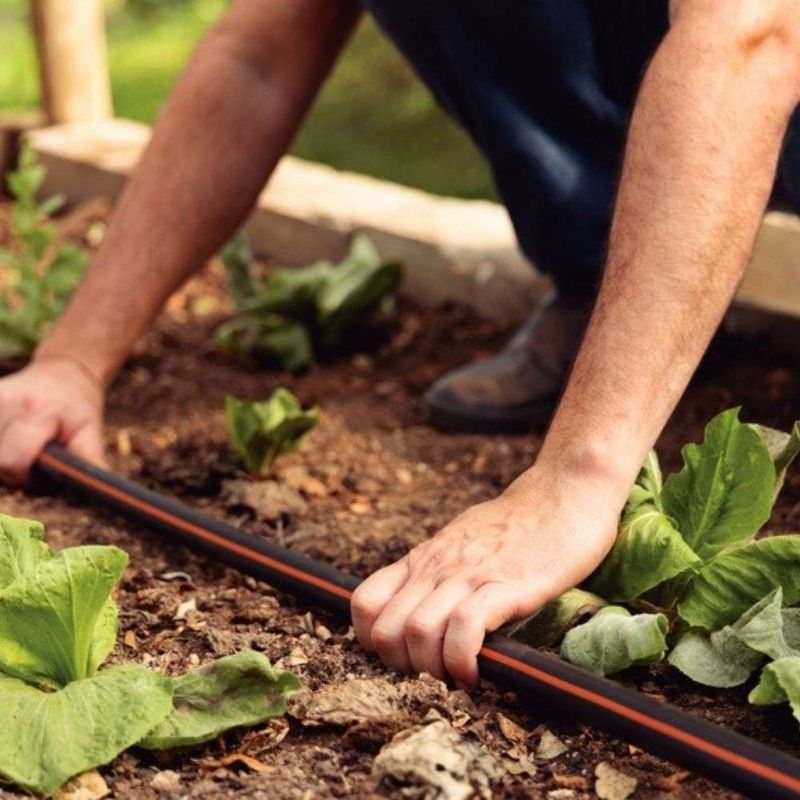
column 87, row 443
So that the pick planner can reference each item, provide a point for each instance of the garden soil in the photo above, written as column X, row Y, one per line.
column 370, row 482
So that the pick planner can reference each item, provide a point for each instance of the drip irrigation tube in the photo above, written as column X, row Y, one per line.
column 736, row 761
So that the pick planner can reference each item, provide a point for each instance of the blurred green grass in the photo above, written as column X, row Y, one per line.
column 373, row 116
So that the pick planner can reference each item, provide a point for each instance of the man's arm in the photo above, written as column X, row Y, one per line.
column 699, row 167
column 229, row 120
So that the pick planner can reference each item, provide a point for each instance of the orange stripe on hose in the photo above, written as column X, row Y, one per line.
column 721, row 753
column 191, row 528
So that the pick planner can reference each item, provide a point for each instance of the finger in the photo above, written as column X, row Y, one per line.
column 427, row 623
column 88, row 443
column 485, row 610
column 388, row 632
column 21, row 442
column 370, row 598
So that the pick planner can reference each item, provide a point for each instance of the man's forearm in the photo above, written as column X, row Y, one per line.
column 226, row 125
column 698, row 172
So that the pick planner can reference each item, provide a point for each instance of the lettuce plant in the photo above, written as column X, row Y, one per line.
column 39, row 275
column 687, row 575
column 261, row 431
column 293, row 315
column 64, row 713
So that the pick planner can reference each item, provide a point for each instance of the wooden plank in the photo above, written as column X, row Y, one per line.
column 73, row 62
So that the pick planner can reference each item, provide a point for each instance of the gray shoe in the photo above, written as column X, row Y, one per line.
column 517, row 389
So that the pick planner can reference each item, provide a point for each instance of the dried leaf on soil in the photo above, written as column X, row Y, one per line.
column 611, row 784
column 355, row 701
column 550, row 746
column 268, row 499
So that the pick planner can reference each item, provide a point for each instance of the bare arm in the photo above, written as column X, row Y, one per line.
column 229, row 120
column 227, row 123
column 698, row 170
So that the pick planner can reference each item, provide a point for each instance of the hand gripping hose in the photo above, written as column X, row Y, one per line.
column 733, row 760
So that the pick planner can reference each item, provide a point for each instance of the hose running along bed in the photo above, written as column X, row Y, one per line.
column 736, row 761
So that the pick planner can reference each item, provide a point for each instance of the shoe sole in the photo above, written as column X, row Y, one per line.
column 487, row 420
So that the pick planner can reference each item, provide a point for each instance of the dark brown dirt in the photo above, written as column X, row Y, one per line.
column 376, row 480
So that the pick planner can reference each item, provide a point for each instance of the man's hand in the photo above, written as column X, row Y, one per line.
column 498, row 561
column 52, row 399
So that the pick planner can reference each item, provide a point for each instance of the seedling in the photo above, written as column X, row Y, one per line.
column 293, row 315
column 38, row 274
column 262, row 431
column 688, row 576
column 62, row 713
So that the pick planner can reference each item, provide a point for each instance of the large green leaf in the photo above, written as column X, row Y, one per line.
column 613, row 640
column 551, row 621
column 47, row 737
column 648, row 552
column 293, row 292
column 763, row 629
column 237, row 690
column 21, row 548
column 57, row 621
column 780, row 681
column 648, row 487
column 724, row 492
column 262, row 431
column 732, row 582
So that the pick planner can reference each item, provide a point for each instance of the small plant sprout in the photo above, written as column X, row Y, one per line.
column 292, row 316
column 262, row 431
column 37, row 274
column 688, row 577
column 63, row 712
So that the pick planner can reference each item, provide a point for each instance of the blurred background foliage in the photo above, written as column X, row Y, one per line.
column 373, row 116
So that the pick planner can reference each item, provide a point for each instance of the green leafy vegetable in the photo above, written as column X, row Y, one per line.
column 262, row 431
column 237, row 690
column 39, row 274
column 783, row 448
column 47, row 737
column 725, row 491
column 780, row 681
column 294, row 314
column 58, row 623
column 613, row 640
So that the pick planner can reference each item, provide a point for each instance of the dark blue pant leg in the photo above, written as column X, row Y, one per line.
column 545, row 89
column 787, row 184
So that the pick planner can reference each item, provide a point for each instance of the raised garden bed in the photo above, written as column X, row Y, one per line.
column 371, row 481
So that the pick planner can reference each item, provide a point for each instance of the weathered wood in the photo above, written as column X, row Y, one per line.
column 73, row 61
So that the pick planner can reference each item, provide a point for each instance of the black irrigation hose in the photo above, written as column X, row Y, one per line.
column 735, row 761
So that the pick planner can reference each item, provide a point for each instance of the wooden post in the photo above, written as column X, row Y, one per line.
column 73, row 62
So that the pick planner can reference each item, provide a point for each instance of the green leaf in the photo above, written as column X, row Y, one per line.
column 65, row 272
column 293, row 292
column 648, row 487
column 21, row 548
column 271, row 338
column 237, row 257
column 648, row 552
column 614, row 640
column 783, row 448
column 732, row 582
column 48, row 737
column 724, row 493
column 262, row 431
column 57, row 621
column 762, row 628
column 780, row 681
column 550, row 623
column 721, row 660
column 234, row 691
column 354, row 290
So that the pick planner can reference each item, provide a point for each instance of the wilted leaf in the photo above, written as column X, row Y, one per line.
column 57, row 621
column 437, row 757
column 783, row 448
column 734, row 581
column 354, row 701
column 724, row 493
column 550, row 746
column 550, row 623
column 231, row 692
column 262, row 431
column 47, row 737
column 611, row 784
column 87, row 786
column 614, row 640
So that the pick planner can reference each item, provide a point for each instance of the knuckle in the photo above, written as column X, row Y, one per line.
column 363, row 604
column 383, row 636
column 419, row 628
